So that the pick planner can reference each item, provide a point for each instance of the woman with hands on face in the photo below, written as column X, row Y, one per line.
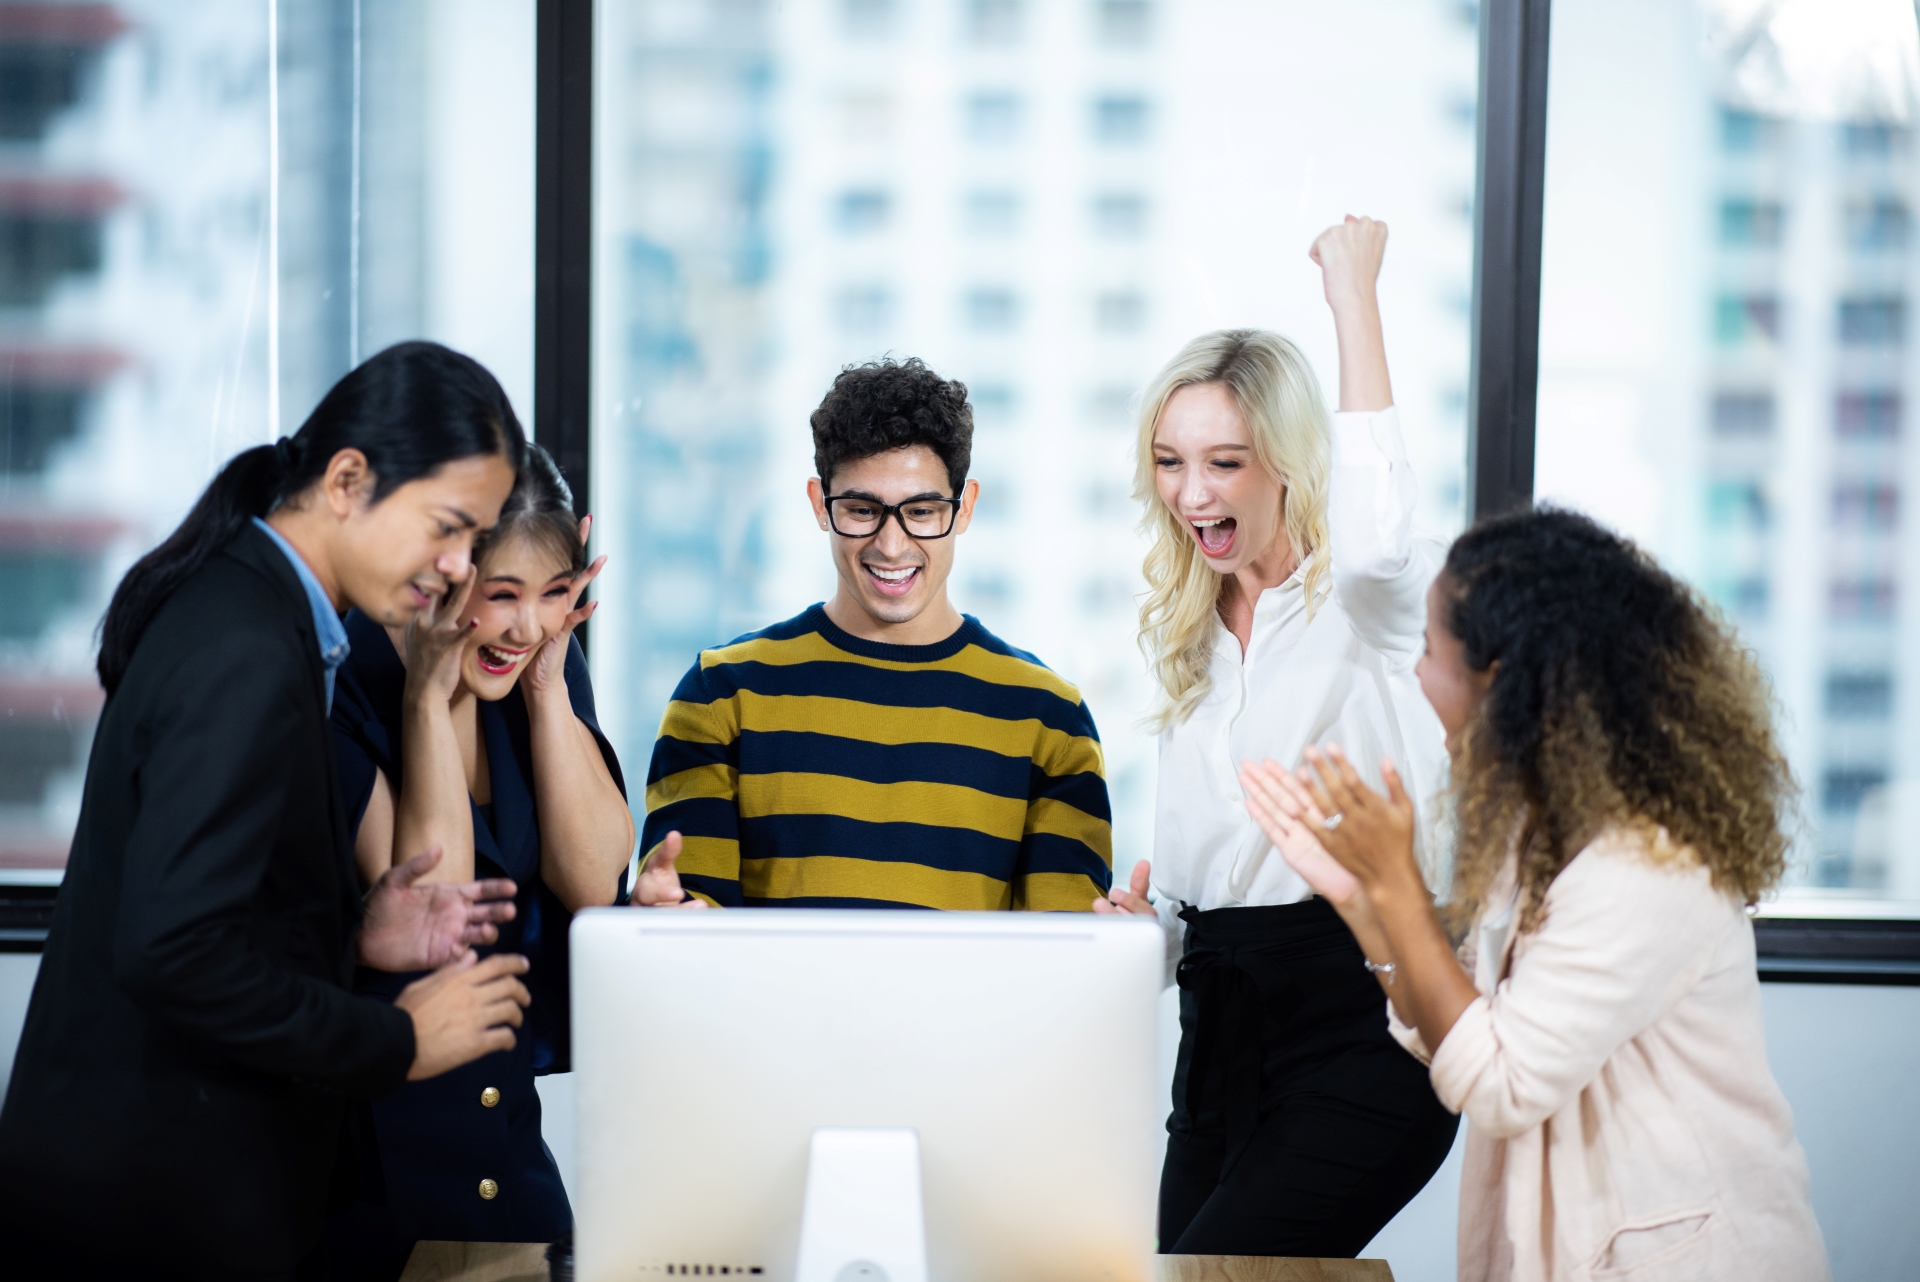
column 1285, row 605
column 473, row 730
column 1620, row 800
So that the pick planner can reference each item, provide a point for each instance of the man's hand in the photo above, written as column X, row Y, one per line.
column 406, row 926
column 658, row 885
column 466, row 1009
column 1131, row 898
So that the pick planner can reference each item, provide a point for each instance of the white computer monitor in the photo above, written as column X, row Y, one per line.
column 712, row 1050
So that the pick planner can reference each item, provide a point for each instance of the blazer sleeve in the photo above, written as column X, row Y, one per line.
column 1622, row 940
column 1381, row 568
column 693, row 788
column 212, row 791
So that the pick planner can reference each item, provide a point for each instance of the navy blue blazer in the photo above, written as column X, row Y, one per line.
column 460, row 1157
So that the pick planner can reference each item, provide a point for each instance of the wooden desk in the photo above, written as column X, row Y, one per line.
column 514, row 1262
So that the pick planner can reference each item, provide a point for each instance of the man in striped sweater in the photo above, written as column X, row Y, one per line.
column 880, row 750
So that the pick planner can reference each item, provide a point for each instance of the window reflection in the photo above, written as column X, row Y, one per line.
column 1764, row 185
column 138, row 337
column 1071, row 190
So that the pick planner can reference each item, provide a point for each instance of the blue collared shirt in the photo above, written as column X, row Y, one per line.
column 327, row 626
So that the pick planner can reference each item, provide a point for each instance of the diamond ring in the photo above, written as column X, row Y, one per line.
column 1332, row 821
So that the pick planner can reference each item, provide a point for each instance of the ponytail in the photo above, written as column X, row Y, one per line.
column 410, row 410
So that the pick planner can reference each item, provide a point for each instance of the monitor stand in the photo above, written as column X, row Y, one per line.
column 863, row 1220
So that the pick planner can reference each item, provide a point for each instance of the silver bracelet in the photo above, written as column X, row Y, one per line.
column 1380, row 968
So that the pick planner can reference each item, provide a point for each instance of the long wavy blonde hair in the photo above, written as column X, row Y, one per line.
column 1279, row 399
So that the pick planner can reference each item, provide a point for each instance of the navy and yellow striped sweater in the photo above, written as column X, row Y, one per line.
column 805, row 767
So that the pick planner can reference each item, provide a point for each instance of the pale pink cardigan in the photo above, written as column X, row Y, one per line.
column 1622, row 1121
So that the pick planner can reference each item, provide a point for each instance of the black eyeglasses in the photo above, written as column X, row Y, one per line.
column 854, row 516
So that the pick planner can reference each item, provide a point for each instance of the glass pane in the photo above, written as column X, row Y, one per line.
column 179, row 280
column 1044, row 200
column 1727, row 373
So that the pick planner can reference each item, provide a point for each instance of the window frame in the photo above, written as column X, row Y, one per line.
column 1508, row 214
column 1504, row 376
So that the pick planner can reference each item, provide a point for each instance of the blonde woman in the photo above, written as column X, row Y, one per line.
column 1285, row 608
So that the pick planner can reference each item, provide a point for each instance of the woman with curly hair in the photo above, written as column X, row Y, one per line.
column 1286, row 597
column 1620, row 802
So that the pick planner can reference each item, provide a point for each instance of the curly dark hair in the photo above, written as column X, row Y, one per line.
column 889, row 405
column 1620, row 697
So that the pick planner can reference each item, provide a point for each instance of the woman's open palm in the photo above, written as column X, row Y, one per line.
column 548, row 669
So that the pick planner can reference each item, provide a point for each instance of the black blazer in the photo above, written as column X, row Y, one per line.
column 183, row 1075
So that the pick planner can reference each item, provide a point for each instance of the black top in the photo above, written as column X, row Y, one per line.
column 192, row 1040
column 367, row 710
column 424, row 1152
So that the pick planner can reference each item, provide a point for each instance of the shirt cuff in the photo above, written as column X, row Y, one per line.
column 1369, row 439
column 1463, row 1054
column 1408, row 1037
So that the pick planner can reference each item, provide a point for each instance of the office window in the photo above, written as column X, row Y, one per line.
column 1112, row 408
column 1860, row 696
column 994, row 118
column 994, row 404
column 867, row 19
column 1120, row 312
column 1738, row 503
column 1878, row 225
column 1866, row 506
column 863, row 211
column 1119, row 215
column 863, row 309
column 1872, row 322
column 1871, row 140
column 1062, row 212
column 992, row 310
column 1124, row 24
column 1754, row 223
column 1120, row 121
column 1739, row 320
column 995, row 24
column 1743, row 414
column 1868, row 414
column 138, row 257
column 991, row 213
column 1759, row 454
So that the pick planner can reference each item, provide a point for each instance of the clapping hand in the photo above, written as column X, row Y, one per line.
column 547, row 671
column 407, row 926
column 658, row 885
column 1265, row 784
column 1371, row 836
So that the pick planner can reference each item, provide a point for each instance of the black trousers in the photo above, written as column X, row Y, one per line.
column 1299, row 1126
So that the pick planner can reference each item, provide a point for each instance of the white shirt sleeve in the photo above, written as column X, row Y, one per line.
column 1167, row 909
column 1381, row 569
column 1622, row 940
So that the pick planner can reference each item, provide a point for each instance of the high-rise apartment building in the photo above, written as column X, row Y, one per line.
column 209, row 211
column 1805, row 474
column 1042, row 199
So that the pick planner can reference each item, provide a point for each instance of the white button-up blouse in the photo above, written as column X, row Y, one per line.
column 1340, row 674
